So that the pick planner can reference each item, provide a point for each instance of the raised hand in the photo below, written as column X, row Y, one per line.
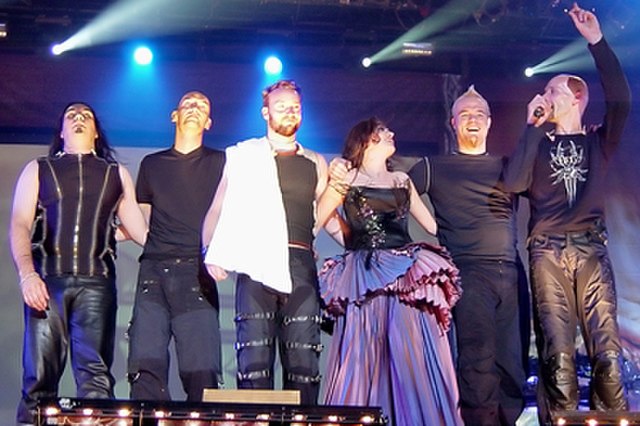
column 586, row 23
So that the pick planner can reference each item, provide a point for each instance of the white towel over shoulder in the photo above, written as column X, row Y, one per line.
column 251, row 235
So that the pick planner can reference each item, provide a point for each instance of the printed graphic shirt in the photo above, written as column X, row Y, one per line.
column 564, row 175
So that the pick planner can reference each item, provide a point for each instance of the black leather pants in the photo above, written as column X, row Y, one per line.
column 572, row 285
column 81, row 317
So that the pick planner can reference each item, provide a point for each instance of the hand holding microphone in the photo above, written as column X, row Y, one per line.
column 538, row 111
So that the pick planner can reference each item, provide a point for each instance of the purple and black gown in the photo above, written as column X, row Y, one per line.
column 391, row 300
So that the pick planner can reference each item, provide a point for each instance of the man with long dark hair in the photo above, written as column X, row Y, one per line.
column 62, row 237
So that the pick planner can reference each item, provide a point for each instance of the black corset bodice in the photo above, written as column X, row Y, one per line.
column 377, row 217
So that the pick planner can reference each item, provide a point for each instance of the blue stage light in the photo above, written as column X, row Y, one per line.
column 143, row 55
column 273, row 65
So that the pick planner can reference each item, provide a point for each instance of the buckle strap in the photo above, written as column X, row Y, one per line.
column 317, row 347
column 254, row 375
column 255, row 316
column 301, row 378
column 253, row 343
column 314, row 318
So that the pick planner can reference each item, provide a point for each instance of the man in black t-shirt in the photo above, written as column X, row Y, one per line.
column 476, row 223
column 175, row 297
column 563, row 173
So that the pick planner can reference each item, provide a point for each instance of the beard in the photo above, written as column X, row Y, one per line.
column 285, row 129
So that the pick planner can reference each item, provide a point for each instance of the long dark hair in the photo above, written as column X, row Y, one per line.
column 357, row 140
column 102, row 147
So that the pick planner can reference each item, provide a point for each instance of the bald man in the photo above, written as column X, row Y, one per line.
column 175, row 297
column 563, row 173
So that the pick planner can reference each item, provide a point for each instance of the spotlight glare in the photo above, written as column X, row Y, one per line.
column 52, row 411
column 366, row 62
column 529, row 72
column 143, row 55
column 124, row 412
column 273, row 65
column 57, row 49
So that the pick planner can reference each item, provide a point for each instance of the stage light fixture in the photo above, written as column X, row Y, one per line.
column 417, row 49
column 3, row 30
column 51, row 411
column 273, row 65
column 143, row 55
column 124, row 412
column 529, row 72
column 367, row 419
column 366, row 62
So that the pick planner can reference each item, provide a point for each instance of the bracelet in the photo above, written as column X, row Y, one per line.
column 28, row 277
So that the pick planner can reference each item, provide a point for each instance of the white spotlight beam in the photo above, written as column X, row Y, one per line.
column 133, row 18
column 442, row 19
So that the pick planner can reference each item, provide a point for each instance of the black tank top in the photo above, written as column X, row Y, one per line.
column 298, row 181
column 74, row 231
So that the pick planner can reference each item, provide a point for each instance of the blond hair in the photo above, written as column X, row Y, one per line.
column 471, row 92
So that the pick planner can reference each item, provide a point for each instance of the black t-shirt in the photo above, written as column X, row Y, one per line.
column 179, row 188
column 564, row 176
column 475, row 216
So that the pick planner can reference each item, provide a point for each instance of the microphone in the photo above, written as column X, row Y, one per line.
column 538, row 112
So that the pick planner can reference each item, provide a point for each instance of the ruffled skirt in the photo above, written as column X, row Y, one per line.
column 390, row 348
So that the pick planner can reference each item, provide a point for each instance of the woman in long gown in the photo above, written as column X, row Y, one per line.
column 390, row 298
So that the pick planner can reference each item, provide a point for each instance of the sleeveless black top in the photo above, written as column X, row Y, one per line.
column 74, row 230
column 298, row 180
column 377, row 217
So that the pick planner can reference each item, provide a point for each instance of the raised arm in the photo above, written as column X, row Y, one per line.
column 617, row 94
column 25, row 200
column 134, row 223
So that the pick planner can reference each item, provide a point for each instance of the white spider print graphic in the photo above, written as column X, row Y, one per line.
column 566, row 162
